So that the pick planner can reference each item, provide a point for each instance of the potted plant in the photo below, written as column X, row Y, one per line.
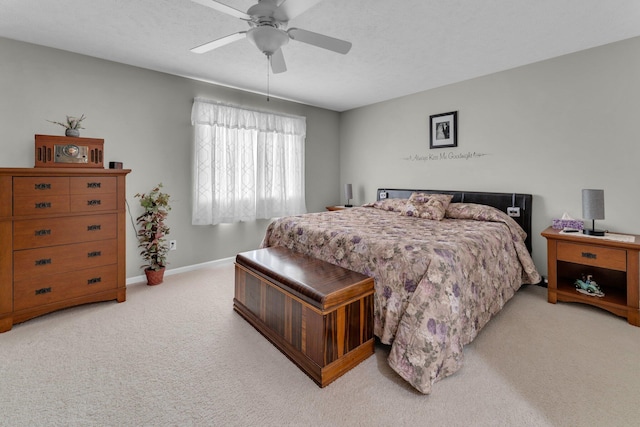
column 72, row 125
column 151, row 233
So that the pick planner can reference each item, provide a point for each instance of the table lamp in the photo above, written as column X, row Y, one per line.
column 348, row 194
column 593, row 208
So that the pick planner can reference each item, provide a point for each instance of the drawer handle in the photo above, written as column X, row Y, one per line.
column 39, row 233
column 589, row 255
column 42, row 186
column 43, row 291
column 93, row 185
column 94, row 254
column 93, row 202
column 43, row 261
column 43, row 205
column 94, row 280
column 94, row 227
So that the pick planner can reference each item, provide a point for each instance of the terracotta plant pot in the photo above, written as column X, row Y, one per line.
column 154, row 277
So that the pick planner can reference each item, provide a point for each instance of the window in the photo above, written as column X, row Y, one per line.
column 248, row 164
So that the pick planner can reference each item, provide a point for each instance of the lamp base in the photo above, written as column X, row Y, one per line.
column 348, row 206
column 593, row 232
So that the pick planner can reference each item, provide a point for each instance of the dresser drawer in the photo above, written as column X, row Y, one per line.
column 596, row 256
column 92, row 185
column 40, row 185
column 93, row 202
column 40, row 195
column 41, row 204
column 37, row 233
column 38, row 291
column 58, row 259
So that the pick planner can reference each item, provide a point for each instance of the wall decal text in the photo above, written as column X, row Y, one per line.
column 450, row 155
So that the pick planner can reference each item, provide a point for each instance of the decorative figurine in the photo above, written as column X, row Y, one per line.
column 588, row 286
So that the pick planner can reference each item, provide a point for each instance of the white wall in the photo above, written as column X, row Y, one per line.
column 549, row 129
column 144, row 118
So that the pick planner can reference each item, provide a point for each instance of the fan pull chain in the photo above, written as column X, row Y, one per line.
column 268, row 66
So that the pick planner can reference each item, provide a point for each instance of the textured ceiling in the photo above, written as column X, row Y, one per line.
column 399, row 47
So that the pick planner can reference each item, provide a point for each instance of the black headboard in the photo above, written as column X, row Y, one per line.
column 502, row 201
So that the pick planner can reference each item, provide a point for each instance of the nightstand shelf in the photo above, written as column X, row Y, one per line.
column 614, row 300
column 613, row 264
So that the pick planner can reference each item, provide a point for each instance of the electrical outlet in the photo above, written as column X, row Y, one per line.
column 513, row 211
column 383, row 195
column 173, row 245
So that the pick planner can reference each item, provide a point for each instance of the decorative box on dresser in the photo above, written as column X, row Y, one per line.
column 614, row 265
column 62, row 239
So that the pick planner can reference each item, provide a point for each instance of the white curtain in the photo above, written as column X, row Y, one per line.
column 248, row 164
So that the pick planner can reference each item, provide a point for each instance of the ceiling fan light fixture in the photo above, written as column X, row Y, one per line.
column 268, row 39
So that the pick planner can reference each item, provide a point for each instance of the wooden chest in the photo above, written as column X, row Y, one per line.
column 318, row 314
column 63, row 240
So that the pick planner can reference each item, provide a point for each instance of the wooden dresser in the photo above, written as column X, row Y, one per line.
column 62, row 240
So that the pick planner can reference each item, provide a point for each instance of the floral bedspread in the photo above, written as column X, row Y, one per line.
column 437, row 283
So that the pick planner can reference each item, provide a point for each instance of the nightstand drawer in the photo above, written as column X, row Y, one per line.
column 596, row 256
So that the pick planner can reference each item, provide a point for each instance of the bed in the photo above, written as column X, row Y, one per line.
column 443, row 262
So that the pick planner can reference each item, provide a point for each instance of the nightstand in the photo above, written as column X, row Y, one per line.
column 614, row 265
column 335, row 208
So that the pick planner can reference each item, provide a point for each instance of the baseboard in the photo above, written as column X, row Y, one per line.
column 170, row 271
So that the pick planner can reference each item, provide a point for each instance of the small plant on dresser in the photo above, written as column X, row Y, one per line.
column 152, row 230
column 72, row 125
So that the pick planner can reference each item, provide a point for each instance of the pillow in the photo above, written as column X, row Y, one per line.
column 392, row 205
column 483, row 213
column 427, row 206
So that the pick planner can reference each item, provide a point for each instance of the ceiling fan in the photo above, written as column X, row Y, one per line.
column 268, row 20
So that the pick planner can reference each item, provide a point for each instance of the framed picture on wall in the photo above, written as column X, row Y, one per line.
column 444, row 130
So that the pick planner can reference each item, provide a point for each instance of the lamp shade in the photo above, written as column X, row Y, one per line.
column 348, row 191
column 267, row 39
column 592, row 204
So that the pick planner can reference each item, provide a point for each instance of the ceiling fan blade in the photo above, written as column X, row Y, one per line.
column 219, row 42
column 289, row 9
column 220, row 7
column 320, row 40
column 277, row 62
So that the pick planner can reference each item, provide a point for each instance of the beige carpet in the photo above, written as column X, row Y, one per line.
column 177, row 355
